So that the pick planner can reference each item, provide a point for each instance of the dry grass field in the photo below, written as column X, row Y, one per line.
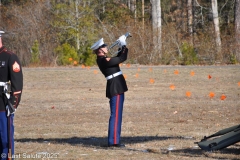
column 64, row 113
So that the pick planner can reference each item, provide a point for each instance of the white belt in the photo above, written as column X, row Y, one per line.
column 114, row 75
column 5, row 87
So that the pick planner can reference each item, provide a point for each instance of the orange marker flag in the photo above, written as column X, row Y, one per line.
column 75, row 62
column 150, row 69
column 88, row 67
column 70, row 59
column 125, row 76
column 188, row 94
column 192, row 73
column 151, row 81
column 128, row 65
column 209, row 76
column 137, row 75
column 239, row 84
column 211, row 94
column 83, row 66
column 176, row 72
column 120, row 64
column 172, row 87
column 223, row 97
column 95, row 71
column 165, row 71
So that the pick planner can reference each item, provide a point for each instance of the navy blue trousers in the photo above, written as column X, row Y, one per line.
column 115, row 120
column 4, row 138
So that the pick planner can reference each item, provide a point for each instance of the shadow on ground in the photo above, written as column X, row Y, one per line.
column 187, row 152
column 101, row 142
column 97, row 141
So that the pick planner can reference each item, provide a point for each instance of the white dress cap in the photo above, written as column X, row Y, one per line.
column 98, row 44
column 1, row 32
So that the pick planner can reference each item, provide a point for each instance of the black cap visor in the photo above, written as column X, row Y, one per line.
column 102, row 46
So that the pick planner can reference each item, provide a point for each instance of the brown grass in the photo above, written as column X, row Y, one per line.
column 64, row 113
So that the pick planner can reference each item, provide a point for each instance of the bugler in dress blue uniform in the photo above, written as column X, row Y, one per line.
column 116, row 86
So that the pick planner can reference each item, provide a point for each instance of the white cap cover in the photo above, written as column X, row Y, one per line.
column 98, row 44
column 1, row 32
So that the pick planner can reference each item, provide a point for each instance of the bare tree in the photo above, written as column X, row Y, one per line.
column 133, row 8
column 70, row 20
column 237, row 28
column 77, row 20
column 31, row 23
column 216, row 25
column 183, row 15
column 190, row 18
column 143, row 13
column 103, row 6
column 156, row 26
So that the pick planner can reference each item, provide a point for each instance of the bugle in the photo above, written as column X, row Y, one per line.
column 117, row 43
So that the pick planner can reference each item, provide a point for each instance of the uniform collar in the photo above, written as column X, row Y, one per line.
column 2, row 49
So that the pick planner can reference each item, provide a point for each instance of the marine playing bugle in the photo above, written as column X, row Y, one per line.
column 118, row 43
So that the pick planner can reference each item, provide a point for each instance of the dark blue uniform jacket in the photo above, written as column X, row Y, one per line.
column 10, row 70
column 116, row 85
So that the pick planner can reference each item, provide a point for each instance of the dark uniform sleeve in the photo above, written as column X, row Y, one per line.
column 121, row 57
column 16, row 78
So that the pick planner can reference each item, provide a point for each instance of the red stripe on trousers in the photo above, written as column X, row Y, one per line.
column 9, row 138
column 116, row 121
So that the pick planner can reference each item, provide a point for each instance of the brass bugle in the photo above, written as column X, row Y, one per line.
column 127, row 35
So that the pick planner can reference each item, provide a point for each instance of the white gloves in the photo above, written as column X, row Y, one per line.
column 122, row 41
column 10, row 110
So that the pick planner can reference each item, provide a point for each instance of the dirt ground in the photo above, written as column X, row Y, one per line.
column 64, row 113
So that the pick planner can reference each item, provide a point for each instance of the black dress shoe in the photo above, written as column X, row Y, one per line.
column 117, row 145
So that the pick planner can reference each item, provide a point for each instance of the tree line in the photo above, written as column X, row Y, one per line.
column 61, row 32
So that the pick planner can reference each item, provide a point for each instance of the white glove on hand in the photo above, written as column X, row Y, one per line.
column 122, row 41
column 9, row 110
